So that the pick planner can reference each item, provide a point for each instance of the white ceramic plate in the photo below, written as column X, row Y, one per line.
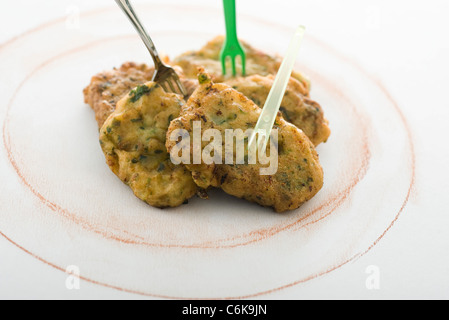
column 220, row 248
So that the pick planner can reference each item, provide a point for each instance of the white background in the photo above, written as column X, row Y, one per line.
column 403, row 43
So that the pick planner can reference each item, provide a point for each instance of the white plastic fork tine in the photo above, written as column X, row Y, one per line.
column 274, row 99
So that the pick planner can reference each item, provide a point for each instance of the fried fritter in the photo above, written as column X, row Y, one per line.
column 107, row 88
column 133, row 141
column 299, row 176
column 257, row 62
column 296, row 108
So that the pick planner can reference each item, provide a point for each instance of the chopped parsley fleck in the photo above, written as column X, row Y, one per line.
column 137, row 119
column 202, row 78
column 285, row 113
column 161, row 167
column 256, row 101
column 137, row 93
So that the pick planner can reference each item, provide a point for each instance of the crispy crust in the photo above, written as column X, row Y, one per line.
column 299, row 176
column 108, row 87
column 257, row 62
column 133, row 141
column 296, row 108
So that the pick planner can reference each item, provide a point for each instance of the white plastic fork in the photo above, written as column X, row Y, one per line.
column 271, row 108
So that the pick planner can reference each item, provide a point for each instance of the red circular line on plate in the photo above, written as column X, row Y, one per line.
column 378, row 82
column 333, row 201
column 48, row 24
column 81, row 277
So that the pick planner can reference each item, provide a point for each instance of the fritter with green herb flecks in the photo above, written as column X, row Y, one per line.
column 108, row 87
column 296, row 108
column 299, row 175
column 257, row 62
column 133, row 141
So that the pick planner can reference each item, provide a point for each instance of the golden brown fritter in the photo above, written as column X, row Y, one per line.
column 257, row 62
column 296, row 108
column 299, row 176
column 133, row 141
column 107, row 88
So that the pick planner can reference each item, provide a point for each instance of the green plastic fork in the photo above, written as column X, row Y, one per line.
column 231, row 47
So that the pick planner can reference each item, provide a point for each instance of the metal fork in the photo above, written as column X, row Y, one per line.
column 164, row 75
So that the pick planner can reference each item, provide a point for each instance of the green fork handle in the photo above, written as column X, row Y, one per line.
column 231, row 21
column 231, row 47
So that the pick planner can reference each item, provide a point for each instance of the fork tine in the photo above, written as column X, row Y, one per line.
column 234, row 71
column 181, row 87
column 233, row 61
column 223, row 65
column 170, row 84
column 163, row 86
column 243, row 62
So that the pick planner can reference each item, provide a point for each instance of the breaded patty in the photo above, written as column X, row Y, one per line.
column 257, row 62
column 299, row 176
column 107, row 88
column 133, row 141
column 296, row 108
